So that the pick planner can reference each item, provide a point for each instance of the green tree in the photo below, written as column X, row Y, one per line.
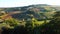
column 11, row 22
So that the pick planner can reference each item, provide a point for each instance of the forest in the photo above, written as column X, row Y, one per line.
column 33, row 19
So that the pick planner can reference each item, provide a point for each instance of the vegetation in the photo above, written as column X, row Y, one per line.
column 33, row 20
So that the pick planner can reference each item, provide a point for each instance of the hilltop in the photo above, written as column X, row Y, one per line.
column 42, row 11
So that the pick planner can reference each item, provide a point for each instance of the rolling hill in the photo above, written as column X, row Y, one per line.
column 39, row 11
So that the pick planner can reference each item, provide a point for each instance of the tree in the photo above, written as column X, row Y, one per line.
column 53, row 26
column 11, row 22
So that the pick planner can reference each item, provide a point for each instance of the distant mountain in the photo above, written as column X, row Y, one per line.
column 39, row 11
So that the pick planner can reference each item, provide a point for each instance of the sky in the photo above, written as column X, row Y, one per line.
column 17, row 3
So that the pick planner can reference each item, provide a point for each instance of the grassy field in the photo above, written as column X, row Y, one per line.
column 41, row 22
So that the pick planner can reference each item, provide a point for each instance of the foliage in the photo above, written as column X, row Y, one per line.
column 11, row 23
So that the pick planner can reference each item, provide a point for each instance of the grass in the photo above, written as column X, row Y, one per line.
column 41, row 22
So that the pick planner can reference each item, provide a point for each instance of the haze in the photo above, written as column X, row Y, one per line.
column 19, row 3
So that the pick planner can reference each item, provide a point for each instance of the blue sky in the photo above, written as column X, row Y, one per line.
column 15, row 3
